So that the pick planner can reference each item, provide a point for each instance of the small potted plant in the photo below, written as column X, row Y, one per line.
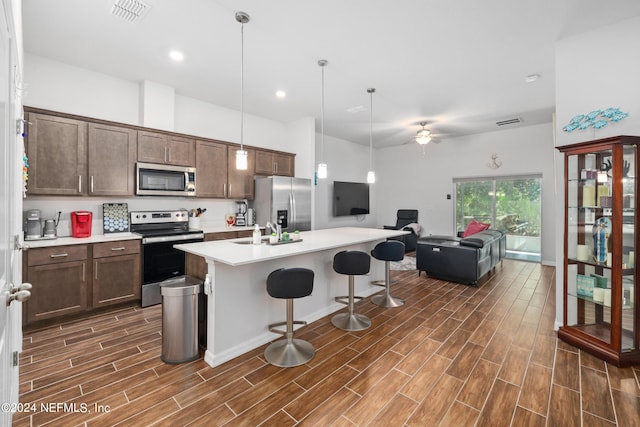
column 273, row 238
column 296, row 235
column 285, row 236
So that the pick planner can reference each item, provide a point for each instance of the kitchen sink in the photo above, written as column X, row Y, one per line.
column 249, row 241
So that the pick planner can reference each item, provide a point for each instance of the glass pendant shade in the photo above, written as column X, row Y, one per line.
column 371, row 177
column 241, row 160
column 322, row 170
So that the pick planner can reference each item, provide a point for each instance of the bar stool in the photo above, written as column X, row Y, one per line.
column 352, row 263
column 391, row 250
column 289, row 283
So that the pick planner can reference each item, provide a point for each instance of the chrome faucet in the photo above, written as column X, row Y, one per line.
column 277, row 229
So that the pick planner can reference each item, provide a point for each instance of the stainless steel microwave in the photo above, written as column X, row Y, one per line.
column 165, row 180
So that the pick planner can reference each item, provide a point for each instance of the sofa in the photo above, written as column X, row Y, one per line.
column 461, row 259
column 406, row 219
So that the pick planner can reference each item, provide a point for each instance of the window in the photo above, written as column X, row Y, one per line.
column 511, row 204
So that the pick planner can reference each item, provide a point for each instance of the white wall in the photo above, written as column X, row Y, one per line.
column 345, row 161
column 57, row 86
column 416, row 177
column 594, row 70
column 60, row 87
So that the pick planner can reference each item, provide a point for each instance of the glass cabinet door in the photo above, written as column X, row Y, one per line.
column 589, row 244
column 627, row 298
column 601, row 245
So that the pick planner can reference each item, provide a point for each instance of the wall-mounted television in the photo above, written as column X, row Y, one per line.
column 350, row 198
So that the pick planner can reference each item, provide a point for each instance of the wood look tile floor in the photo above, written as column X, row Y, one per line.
column 452, row 356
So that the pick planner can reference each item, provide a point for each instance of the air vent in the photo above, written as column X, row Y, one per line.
column 509, row 121
column 130, row 10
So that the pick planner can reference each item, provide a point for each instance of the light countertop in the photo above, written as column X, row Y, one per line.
column 95, row 238
column 232, row 253
column 112, row 237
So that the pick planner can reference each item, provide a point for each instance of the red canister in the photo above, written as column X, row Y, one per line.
column 81, row 223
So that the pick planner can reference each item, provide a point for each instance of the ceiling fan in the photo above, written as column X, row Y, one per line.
column 423, row 137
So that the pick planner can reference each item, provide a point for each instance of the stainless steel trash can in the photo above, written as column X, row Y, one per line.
column 180, row 319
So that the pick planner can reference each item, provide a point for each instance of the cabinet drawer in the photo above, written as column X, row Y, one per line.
column 56, row 254
column 121, row 247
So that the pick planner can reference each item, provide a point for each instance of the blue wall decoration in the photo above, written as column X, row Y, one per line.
column 596, row 119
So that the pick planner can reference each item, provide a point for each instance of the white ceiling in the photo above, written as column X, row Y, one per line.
column 459, row 65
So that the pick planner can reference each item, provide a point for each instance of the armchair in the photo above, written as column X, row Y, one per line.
column 404, row 217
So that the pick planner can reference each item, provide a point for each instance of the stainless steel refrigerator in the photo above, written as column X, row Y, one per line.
column 285, row 200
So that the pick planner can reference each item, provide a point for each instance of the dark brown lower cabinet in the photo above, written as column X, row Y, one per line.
column 69, row 280
column 116, row 279
column 59, row 277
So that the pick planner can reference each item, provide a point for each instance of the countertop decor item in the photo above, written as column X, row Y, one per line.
column 115, row 217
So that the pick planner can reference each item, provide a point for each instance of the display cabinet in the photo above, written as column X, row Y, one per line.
column 600, row 243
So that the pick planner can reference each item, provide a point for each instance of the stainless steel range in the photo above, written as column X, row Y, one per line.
column 160, row 230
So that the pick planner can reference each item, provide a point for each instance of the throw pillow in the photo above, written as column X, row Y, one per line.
column 475, row 227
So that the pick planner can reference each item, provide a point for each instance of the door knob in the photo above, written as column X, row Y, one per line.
column 23, row 287
column 19, row 293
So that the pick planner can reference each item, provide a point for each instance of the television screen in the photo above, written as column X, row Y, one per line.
column 350, row 198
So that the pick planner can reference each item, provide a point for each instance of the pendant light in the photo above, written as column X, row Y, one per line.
column 241, row 154
column 371, row 175
column 322, row 167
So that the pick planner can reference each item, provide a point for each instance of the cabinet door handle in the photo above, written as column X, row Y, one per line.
column 84, row 265
column 91, row 183
column 58, row 255
column 79, row 183
column 96, row 269
column 224, row 189
column 165, row 154
column 121, row 248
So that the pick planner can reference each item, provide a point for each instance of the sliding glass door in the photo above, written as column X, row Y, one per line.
column 511, row 204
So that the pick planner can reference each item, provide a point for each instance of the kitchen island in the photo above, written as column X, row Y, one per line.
column 238, row 306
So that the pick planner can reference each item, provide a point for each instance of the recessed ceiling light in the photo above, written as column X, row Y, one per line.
column 531, row 78
column 281, row 94
column 176, row 55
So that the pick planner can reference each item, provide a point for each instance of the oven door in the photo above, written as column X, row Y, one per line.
column 161, row 261
column 165, row 180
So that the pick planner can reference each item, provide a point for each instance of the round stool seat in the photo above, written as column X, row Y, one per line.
column 289, row 284
column 391, row 250
column 354, row 263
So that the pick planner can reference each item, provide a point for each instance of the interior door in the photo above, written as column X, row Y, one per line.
column 10, row 218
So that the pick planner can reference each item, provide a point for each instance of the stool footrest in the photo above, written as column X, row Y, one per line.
column 383, row 283
column 345, row 299
column 273, row 327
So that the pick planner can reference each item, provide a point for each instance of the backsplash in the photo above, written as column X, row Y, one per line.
column 49, row 207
